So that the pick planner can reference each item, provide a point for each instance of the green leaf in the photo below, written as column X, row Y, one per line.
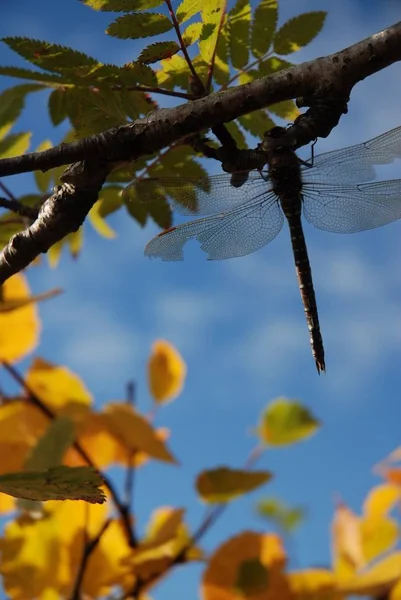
column 192, row 33
column 93, row 111
column 51, row 447
column 43, row 178
column 272, row 65
column 32, row 75
column 52, row 57
column 224, row 484
column 158, row 51
column 239, row 27
column 187, row 9
column 213, row 15
column 57, row 105
column 256, row 122
column 286, row 422
column 298, row 32
column 138, row 25
column 252, row 578
column 135, row 73
column 155, row 205
column 15, row 144
column 121, row 5
column 221, row 71
column 276, row 511
column 12, row 101
column 263, row 27
column 237, row 134
column 287, row 109
column 109, row 201
column 57, row 483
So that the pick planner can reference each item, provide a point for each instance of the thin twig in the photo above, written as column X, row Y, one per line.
column 89, row 547
column 7, row 192
column 36, row 401
column 16, row 207
column 130, row 472
column 183, row 47
column 213, row 58
column 152, row 90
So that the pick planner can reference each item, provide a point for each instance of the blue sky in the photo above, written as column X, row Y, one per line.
column 239, row 324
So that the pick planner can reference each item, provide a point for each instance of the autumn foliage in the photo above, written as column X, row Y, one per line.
column 73, row 548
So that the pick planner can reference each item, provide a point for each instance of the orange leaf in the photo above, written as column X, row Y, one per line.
column 19, row 328
column 166, row 371
column 313, row 584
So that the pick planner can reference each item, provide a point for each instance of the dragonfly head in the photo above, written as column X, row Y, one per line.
column 271, row 139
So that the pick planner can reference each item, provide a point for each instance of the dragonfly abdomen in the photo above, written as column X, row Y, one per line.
column 304, row 274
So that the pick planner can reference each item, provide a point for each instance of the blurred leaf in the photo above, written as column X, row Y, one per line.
column 237, row 134
column 264, row 24
column 19, row 329
column 12, row 102
column 14, row 144
column 166, row 372
column 239, row 27
column 158, row 51
column 109, row 201
column 283, row 516
column 57, row 386
column 378, row 536
column 138, row 25
column 272, row 65
column 92, row 111
column 286, row 422
column 347, row 549
column 58, row 105
column 187, row 9
column 121, row 5
column 75, row 242
column 43, row 178
column 10, row 304
column 224, row 484
column 163, row 525
column 135, row 432
column 252, row 578
column 313, row 584
column 192, row 33
column 375, row 581
column 51, row 447
column 381, row 500
column 32, row 75
column 57, row 483
column 145, row 198
column 256, row 122
column 286, row 109
column 52, row 57
column 298, row 32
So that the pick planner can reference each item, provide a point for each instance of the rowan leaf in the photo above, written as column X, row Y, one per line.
column 213, row 16
column 12, row 102
column 58, row 105
column 15, row 144
column 121, row 5
column 57, row 483
column 298, row 32
column 166, row 372
column 224, row 484
column 33, row 75
column 138, row 25
column 256, row 122
column 192, row 33
column 43, row 178
column 285, row 422
column 19, row 328
column 135, row 432
column 239, row 30
column 187, row 9
column 264, row 24
column 272, row 65
column 286, row 109
column 109, row 201
column 158, row 51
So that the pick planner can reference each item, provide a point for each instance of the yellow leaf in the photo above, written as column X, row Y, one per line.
column 395, row 593
column 377, row 580
column 251, row 564
column 163, row 525
column 20, row 328
column 135, row 432
column 346, row 542
column 286, row 422
column 381, row 500
column 313, row 584
column 378, row 536
column 224, row 484
column 58, row 388
column 167, row 371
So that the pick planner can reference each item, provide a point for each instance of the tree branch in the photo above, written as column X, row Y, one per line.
column 323, row 85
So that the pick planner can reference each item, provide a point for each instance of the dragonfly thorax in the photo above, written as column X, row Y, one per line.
column 285, row 176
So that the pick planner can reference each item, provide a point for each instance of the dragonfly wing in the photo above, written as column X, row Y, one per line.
column 354, row 164
column 236, row 233
column 348, row 209
column 203, row 195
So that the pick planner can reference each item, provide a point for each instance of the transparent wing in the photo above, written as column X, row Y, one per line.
column 348, row 209
column 241, row 231
column 354, row 164
column 205, row 195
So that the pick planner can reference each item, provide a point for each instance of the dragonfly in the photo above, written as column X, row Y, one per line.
column 335, row 192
